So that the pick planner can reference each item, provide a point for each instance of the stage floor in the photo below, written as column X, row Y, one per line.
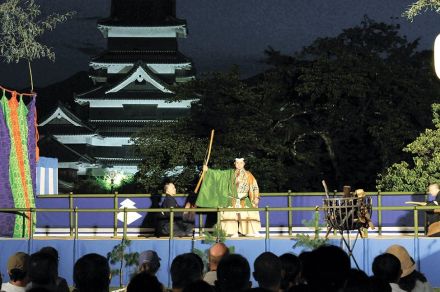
column 424, row 250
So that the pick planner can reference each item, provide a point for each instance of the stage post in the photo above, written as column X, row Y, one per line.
column 31, row 210
column 267, row 222
column 124, row 234
column 379, row 212
column 171, row 222
column 200, row 223
column 218, row 218
column 290, row 212
column 71, row 221
column 416, row 222
column 76, row 222
column 115, row 214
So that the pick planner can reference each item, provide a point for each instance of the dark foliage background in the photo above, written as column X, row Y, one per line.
column 341, row 109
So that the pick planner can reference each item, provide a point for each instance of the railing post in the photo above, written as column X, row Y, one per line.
column 71, row 213
column 200, row 224
column 76, row 221
column 425, row 221
column 379, row 212
column 115, row 215
column 31, row 221
column 23, row 230
column 416, row 222
column 316, row 222
column 124, row 234
column 171, row 222
column 267, row 222
column 218, row 219
column 289, row 213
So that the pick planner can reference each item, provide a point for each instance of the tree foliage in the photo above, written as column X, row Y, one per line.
column 311, row 242
column 120, row 256
column 374, row 88
column 341, row 110
column 21, row 24
column 171, row 153
column 421, row 6
column 425, row 165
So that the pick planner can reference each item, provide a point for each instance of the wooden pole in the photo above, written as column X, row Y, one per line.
column 196, row 190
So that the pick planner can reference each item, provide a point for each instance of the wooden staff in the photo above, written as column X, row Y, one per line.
column 324, row 184
column 205, row 162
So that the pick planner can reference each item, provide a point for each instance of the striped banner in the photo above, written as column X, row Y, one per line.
column 19, row 162
column 7, row 221
column 47, row 176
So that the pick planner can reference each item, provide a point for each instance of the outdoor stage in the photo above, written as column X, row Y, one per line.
column 425, row 251
column 96, row 231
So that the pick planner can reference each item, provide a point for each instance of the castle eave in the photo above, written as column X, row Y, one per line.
column 147, row 57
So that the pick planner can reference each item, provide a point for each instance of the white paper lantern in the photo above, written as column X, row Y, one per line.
column 437, row 55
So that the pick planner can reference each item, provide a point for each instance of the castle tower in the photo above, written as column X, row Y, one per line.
column 133, row 78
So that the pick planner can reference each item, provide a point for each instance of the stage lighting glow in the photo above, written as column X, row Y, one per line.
column 114, row 179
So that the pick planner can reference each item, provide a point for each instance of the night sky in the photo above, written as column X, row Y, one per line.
column 221, row 32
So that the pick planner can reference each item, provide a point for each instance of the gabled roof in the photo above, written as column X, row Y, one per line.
column 139, row 73
column 62, row 113
column 133, row 56
column 100, row 93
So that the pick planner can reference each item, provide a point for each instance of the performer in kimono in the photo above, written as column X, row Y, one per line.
column 182, row 226
column 433, row 216
column 232, row 189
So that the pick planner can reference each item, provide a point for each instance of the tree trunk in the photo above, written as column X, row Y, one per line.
column 30, row 76
column 331, row 153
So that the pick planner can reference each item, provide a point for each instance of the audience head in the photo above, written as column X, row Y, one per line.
column 267, row 271
column 410, row 276
column 326, row 268
column 51, row 251
column 357, row 281
column 18, row 265
column 387, row 267
column 216, row 252
column 39, row 289
column 378, row 284
column 43, row 269
column 406, row 263
column 290, row 270
column 198, row 286
column 197, row 258
column 144, row 282
column 148, row 262
column 185, row 269
column 233, row 274
column 91, row 273
column 305, row 262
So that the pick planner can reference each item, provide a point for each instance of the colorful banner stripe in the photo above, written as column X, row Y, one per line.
column 16, row 116
column 7, row 220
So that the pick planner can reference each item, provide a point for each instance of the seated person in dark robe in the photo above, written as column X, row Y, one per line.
column 189, row 217
column 433, row 216
column 181, row 227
